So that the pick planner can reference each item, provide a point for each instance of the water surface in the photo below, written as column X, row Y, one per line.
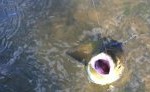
column 34, row 35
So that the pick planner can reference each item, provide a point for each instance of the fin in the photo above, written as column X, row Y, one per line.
column 81, row 53
column 85, row 51
column 89, row 47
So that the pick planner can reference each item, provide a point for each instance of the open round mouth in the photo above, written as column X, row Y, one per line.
column 102, row 66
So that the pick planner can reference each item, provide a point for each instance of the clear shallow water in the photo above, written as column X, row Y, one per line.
column 34, row 35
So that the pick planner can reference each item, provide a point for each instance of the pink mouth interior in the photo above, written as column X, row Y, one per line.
column 102, row 66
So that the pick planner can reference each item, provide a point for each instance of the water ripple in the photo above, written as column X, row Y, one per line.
column 35, row 7
column 5, row 67
column 4, row 44
column 10, row 19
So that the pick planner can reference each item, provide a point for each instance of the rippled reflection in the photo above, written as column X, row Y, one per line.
column 10, row 20
column 18, row 67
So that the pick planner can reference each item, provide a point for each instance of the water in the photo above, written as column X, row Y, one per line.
column 34, row 35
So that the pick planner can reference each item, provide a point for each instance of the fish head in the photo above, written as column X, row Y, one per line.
column 103, row 59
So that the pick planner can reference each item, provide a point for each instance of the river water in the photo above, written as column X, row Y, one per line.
column 35, row 34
